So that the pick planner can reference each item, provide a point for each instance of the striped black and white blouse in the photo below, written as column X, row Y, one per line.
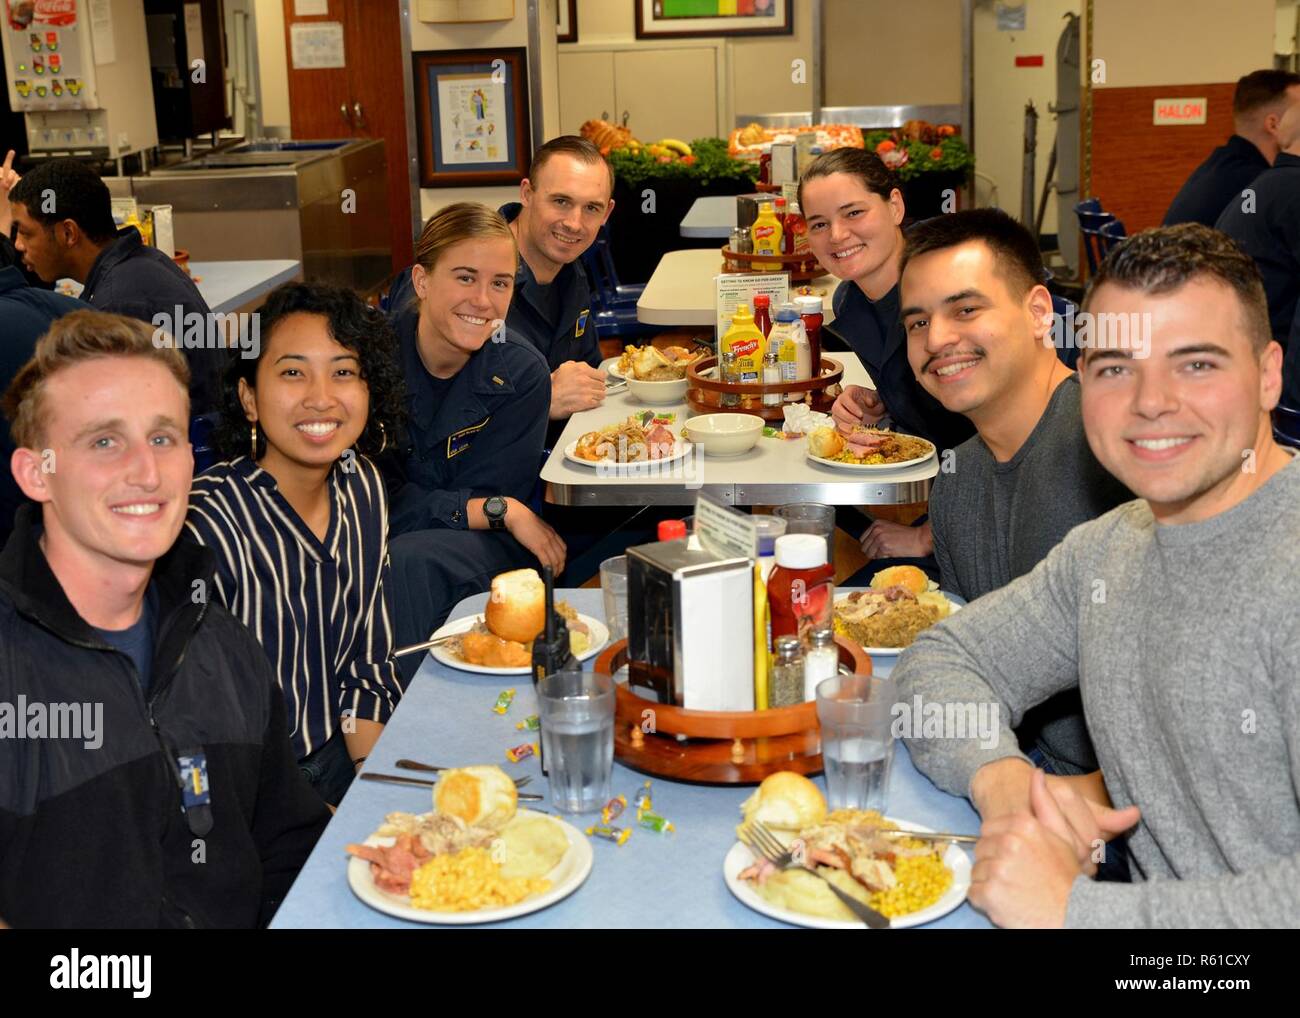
column 322, row 610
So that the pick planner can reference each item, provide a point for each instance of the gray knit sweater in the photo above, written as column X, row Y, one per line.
column 1185, row 644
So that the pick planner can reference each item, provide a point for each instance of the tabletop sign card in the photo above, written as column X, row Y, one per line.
column 734, row 289
column 723, row 531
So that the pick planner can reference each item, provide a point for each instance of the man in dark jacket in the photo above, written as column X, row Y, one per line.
column 1260, row 100
column 146, row 777
column 1266, row 225
column 26, row 313
column 64, row 217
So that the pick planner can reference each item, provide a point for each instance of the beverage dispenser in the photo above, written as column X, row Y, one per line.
column 79, row 70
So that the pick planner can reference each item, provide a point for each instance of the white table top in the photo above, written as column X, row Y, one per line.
column 711, row 216
column 681, row 291
column 774, row 472
column 227, row 286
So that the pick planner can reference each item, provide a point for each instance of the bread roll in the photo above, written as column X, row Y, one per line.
column 825, row 442
column 785, row 801
column 516, row 608
column 482, row 796
column 910, row 577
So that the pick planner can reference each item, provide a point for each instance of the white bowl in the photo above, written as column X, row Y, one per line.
column 724, row 434
column 657, row 392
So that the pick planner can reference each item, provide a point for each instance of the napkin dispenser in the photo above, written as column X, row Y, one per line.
column 747, row 208
column 691, row 626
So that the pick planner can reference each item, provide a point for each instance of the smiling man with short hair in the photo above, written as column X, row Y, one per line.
column 1173, row 615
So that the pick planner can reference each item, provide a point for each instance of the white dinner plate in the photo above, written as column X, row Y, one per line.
column 869, row 467
column 598, row 630
column 954, row 600
column 566, row 877
column 741, row 858
column 640, row 468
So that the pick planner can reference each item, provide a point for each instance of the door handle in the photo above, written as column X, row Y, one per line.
column 343, row 110
column 360, row 116
column 604, row 114
column 625, row 118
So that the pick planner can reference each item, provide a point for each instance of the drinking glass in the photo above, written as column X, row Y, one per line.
column 855, row 714
column 810, row 518
column 577, row 716
column 613, row 585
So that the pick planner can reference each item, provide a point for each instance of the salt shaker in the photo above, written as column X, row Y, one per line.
column 821, row 661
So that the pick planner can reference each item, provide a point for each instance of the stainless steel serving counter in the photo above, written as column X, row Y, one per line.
column 283, row 200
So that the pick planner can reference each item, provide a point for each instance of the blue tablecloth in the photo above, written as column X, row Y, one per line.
column 662, row 881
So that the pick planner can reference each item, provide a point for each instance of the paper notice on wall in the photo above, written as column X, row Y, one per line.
column 310, row 8
column 724, row 531
column 316, row 45
column 194, row 33
column 473, row 114
column 734, row 289
column 1011, row 17
column 101, row 31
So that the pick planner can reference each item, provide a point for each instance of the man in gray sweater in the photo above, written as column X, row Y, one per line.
column 1174, row 615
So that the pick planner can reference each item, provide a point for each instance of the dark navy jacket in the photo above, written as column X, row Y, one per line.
column 873, row 331
column 571, row 334
column 1271, row 235
column 130, row 278
column 1223, row 176
column 25, row 315
column 484, row 438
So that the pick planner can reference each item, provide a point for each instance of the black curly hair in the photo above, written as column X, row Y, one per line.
column 352, row 323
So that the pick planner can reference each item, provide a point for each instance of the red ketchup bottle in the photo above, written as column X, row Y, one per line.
column 810, row 310
column 801, row 588
column 763, row 313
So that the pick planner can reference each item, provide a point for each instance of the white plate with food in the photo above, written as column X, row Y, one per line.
column 912, row 882
column 892, row 450
column 886, row 617
column 740, row 859
column 475, row 858
column 449, row 654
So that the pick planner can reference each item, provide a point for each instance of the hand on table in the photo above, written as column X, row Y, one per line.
column 575, row 386
column 535, row 534
column 1004, row 788
column 894, row 540
column 1023, row 869
column 856, row 405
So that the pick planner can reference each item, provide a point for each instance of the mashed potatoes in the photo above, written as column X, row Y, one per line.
column 530, row 847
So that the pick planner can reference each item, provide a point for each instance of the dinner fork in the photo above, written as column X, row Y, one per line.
column 401, row 779
column 415, row 765
column 764, row 842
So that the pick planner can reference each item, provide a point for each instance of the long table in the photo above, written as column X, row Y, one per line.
column 681, row 292
column 775, row 471
column 656, row 881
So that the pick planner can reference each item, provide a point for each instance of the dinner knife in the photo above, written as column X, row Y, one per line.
column 401, row 779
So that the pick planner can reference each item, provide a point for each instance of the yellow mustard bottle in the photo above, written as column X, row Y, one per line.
column 766, row 234
column 745, row 341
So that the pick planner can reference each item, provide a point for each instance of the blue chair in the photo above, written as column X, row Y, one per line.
column 201, row 428
column 1110, row 235
column 1286, row 426
column 599, row 263
column 1088, row 205
column 1090, row 225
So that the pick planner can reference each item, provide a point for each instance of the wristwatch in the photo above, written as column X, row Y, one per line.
column 495, row 511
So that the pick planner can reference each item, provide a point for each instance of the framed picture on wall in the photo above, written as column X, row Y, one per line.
column 678, row 19
column 472, row 116
column 566, row 21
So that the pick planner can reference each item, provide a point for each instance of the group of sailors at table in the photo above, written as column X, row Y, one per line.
column 379, row 467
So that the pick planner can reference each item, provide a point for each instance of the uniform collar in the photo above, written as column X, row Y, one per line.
column 1246, row 149
column 526, row 285
column 116, row 251
column 486, row 373
column 1286, row 161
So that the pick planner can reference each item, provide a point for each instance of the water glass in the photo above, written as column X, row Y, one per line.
column 810, row 518
column 613, row 585
column 577, row 716
column 855, row 714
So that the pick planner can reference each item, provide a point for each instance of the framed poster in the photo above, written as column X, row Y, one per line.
column 472, row 116
column 684, row 19
column 566, row 21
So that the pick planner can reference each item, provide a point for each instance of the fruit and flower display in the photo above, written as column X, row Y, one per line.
column 921, row 147
column 703, row 160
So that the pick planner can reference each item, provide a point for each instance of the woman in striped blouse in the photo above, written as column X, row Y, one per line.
column 299, row 520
